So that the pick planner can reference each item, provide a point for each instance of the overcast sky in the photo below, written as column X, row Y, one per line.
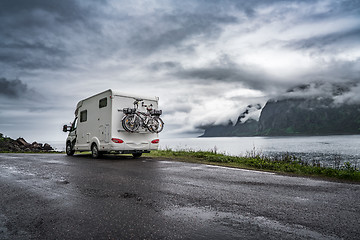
column 206, row 60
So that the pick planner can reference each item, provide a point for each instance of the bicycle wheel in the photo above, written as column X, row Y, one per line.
column 156, row 125
column 130, row 123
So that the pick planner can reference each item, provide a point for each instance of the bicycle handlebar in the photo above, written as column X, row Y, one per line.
column 137, row 100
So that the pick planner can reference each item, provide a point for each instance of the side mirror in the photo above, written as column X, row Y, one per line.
column 65, row 128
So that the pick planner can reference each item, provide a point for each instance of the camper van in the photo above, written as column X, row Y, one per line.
column 115, row 122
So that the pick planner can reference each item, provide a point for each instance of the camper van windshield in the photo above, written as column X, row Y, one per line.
column 74, row 125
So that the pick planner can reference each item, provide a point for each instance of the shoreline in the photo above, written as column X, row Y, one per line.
column 288, row 165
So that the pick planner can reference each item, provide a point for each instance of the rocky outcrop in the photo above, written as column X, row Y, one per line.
column 21, row 145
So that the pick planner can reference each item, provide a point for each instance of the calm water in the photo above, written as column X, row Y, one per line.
column 325, row 149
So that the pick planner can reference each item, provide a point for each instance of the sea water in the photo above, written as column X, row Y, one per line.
column 327, row 150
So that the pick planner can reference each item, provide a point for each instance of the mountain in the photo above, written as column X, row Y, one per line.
column 308, row 117
column 243, row 127
column 304, row 110
column 249, row 128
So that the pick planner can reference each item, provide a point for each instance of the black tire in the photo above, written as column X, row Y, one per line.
column 156, row 125
column 137, row 155
column 69, row 149
column 95, row 153
column 130, row 124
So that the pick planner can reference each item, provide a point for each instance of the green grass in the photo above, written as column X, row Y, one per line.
column 286, row 164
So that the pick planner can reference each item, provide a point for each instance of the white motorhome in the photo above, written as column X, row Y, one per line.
column 98, row 125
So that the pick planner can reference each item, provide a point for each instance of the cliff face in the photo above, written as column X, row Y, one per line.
column 314, row 116
column 249, row 128
column 308, row 117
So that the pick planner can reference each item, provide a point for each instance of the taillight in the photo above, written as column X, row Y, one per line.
column 155, row 141
column 116, row 140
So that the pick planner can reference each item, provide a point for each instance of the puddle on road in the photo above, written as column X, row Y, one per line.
column 7, row 157
column 205, row 167
column 41, row 183
column 57, row 162
column 300, row 199
column 10, row 170
column 239, row 169
column 232, row 222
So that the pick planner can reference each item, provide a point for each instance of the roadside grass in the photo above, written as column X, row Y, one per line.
column 285, row 164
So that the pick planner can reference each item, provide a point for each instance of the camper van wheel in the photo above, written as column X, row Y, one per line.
column 137, row 155
column 69, row 150
column 95, row 153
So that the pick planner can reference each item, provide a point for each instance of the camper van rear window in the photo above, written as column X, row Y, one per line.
column 102, row 102
column 83, row 116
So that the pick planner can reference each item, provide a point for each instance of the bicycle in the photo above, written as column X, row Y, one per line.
column 150, row 120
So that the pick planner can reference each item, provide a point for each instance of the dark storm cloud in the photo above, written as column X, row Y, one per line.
column 252, row 76
column 53, row 34
column 14, row 89
column 338, row 38
column 335, row 72
column 48, row 33
column 322, row 42
column 32, row 55
column 351, row 6
column 167, row 65
column 228, row 71
column 35, row 34
column 178, row 28
column 63, row 11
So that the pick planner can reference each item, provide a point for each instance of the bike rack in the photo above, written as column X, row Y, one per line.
column 141, row 132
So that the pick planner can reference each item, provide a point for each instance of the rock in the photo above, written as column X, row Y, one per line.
column 36, row 145
column 15, row 148
column 22, row 142
column 47, row 147
column 21, row 145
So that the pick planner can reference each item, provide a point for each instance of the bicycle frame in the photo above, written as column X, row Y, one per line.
column 145, row 119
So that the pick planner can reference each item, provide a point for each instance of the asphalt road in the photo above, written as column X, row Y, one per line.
column 52, row 196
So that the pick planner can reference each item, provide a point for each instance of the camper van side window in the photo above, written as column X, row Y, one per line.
column 103, row 102
column 83, row 116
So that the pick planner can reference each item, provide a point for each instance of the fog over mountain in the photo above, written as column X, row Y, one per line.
column 308, row 109
column 206, row 60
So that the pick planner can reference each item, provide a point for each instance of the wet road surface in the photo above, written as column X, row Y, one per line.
column 52, row 196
